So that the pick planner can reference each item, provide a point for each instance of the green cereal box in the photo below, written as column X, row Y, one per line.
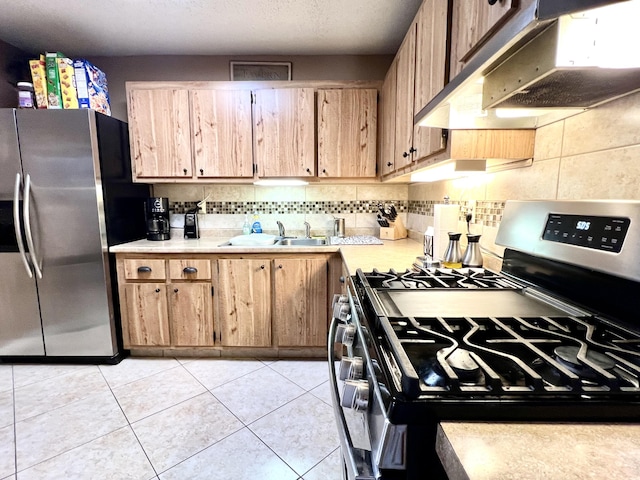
column 54, row 97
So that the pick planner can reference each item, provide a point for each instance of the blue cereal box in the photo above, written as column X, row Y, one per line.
column 91, row 84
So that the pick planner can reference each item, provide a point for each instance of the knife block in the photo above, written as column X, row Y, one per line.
column 395, row 230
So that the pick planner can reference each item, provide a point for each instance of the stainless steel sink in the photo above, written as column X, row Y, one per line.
column 302, row 242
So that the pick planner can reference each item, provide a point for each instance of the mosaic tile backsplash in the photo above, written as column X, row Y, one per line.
column 336, row 207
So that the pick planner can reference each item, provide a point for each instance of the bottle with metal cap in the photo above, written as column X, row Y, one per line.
column 453, row 254
column 472, row 256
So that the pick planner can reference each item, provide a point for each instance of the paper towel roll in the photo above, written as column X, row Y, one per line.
column 445, row 220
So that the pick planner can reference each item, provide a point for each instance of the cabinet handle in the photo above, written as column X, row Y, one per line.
column 157, row 290
column 144, row 269
column 262, row 267
column 175, row 290
column 188, row 270
column 279, row 266
column 411, row 150
column 342, row 279
column 184, row 170
column 324, row 171
column 202, row 171
column 405, row 154
column 389, row 164
column 309, row 171
column 492, row 2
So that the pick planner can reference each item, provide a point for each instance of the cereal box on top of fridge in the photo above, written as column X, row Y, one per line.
column 67, row 83
column 91, row 84
column 39, row 80
column 54, row 97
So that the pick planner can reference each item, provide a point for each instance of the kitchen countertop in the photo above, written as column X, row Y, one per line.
column 534, row 451
column 397, row 254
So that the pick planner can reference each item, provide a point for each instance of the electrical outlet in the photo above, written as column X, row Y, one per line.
column 470, row 209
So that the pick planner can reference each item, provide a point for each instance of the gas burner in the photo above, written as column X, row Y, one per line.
column 568, row 356
column 438, row 278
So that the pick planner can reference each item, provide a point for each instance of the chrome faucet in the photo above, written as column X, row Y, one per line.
column 280, row 229
column 307, row 230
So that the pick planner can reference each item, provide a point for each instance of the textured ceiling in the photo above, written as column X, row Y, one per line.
column 207, row 27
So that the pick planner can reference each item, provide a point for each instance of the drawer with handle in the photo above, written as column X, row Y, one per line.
column 144, row 269
column 190, row 269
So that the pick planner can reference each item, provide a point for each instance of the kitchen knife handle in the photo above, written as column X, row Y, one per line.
column 16, row 225
column 27, row 225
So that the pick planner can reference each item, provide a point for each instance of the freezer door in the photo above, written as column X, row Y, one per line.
column 59, row 153
column 20, row 327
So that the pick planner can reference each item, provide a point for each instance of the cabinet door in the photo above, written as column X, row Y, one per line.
column 222, row 133
column 347, row 126
column 160, row 133
column 284, row 132
column 145, row 315
column 191, row 314
column 472, row 24
column 300, row 301
column 244, row 302
column 431, row 51
column 388, row 121
column 404, row 99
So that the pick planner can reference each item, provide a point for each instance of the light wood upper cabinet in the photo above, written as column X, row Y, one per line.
column 300, row 301
column 160, row 133
column 222, row 133
column 388, row 121
column 284, row 132
column 191, row 314
column 244, row 302
column 420, row 75
column 472, row 24
column 347, row 127
column 430, row 71
column 406, row 64
column 145, row 315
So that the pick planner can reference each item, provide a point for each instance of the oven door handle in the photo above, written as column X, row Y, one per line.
column 346, row 444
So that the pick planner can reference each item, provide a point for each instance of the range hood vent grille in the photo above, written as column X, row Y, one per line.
column 579, row 88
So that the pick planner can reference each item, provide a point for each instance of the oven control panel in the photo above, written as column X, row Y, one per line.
column 600, row 233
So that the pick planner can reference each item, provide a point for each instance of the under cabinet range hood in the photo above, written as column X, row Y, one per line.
column 549, row 61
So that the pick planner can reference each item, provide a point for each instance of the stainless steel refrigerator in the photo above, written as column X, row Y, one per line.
column 65, row 196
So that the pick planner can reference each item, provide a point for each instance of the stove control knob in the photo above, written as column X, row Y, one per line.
column 341, row 307
column 351, row 368
column 355, row 394
column 345, row 333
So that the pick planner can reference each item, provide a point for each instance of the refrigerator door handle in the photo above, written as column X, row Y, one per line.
column 16, row 225
column 27, row 225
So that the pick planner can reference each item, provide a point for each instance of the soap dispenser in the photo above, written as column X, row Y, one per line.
column 246, row 226
column 256, row 227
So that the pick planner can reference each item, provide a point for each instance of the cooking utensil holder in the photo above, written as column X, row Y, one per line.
column 395, row 231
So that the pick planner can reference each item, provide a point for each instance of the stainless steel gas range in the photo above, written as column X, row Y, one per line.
column 554, row 336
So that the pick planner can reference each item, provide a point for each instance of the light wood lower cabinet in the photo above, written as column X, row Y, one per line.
column 261, row 304
column 300, row 301
column 191, row 314
column 244, row 302
column 160, row 310
column 145, row 315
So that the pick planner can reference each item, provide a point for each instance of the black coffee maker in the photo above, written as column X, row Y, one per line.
column 157, row 218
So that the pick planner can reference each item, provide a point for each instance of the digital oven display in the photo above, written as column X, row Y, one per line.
column 600, row 233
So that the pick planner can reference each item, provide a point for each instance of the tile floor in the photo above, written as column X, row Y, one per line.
column 168, row 419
